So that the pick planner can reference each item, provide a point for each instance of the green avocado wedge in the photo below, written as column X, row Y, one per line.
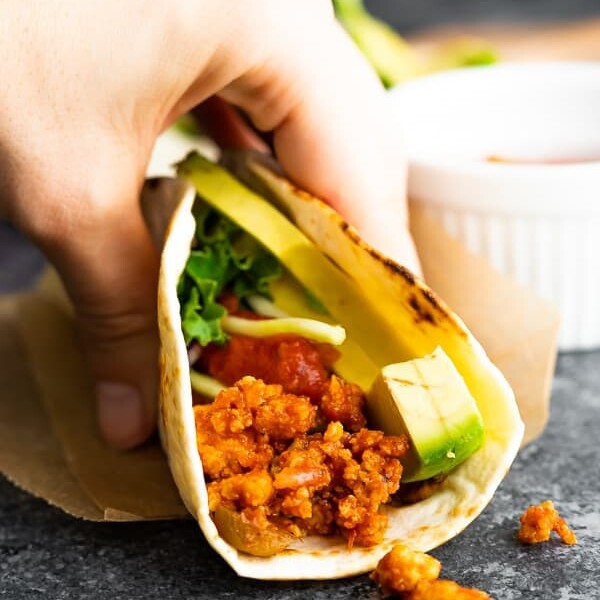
column 427, row 400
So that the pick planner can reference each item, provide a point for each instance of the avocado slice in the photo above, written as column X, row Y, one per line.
column 428, row 400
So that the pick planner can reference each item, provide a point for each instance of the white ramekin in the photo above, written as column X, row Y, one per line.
column 539, row 223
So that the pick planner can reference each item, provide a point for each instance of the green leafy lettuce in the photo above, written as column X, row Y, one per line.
column 223, row 258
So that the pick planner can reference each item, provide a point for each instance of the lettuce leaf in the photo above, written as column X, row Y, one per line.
column 223, row 258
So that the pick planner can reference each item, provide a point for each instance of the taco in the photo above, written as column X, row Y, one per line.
column 287, row 345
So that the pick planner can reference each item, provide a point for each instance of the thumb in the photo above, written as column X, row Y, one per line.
column 117, row 316
column 98, row 241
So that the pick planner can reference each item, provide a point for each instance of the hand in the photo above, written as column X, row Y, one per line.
column 87, row 87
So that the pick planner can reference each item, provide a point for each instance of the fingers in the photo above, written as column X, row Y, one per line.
column 115, row 298
column 95, row 236
column 333, row 134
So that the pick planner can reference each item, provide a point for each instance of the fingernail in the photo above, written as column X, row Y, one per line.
column 121, row 417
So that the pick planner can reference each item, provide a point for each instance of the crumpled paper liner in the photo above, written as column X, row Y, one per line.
column 49, row 444
column 30, row 454
column 121, row 486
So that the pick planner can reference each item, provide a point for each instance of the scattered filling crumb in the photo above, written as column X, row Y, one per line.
column 538, row 522
column 413, row 575
column 401, row 569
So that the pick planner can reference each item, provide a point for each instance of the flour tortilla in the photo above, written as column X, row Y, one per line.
column 410, row 308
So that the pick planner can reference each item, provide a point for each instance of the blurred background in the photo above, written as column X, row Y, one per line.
column 20, row 263
column 411, row 15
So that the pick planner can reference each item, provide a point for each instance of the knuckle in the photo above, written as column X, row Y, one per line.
column 107, row 330
column 61, row 198
column 54, row 207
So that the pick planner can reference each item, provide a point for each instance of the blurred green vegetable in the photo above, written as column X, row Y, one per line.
column 394, row 59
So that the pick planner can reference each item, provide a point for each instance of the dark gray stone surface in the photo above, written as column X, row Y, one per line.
column 20, row 262
column 411, row 15
column 46, row 554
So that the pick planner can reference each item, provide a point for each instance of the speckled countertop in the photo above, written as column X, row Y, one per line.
column 46, row 554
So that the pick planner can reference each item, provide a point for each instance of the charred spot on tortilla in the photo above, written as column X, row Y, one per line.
column 390, row 265
column 421, row 313
column 396, row 269
column 432, row 299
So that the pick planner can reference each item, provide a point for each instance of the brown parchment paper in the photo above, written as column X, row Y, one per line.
column 30, row 454
column 48, row 440
column 122, row 486
column 578, row 40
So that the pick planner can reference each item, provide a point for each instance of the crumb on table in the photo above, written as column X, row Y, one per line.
column 538, row 522
column 413, row 575
column 402, row 568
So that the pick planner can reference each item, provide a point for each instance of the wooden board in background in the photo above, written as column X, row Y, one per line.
column 553, row 41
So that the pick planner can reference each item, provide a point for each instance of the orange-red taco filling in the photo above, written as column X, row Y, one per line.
column 306, row 465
